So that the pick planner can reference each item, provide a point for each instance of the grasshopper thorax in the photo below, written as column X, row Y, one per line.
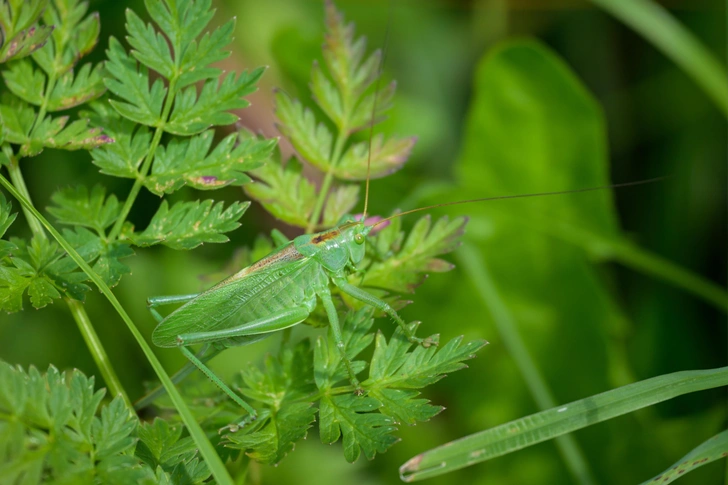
column 337, row 247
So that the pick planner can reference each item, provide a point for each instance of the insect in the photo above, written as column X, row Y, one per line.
column 281, row 291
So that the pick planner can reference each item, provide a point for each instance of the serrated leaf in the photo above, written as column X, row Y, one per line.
column 193, row 114
column 77, row 207
column 394, row 367
column 339, row 203
column 17, row 119
column 411, row 260
column 21, row 43
column 123, row 157
column 53, row 133
column 130, row 82
column 187, row 162
column 387, row 156
column 103, row 256
column 151, row 48
column 284, row 191
column 329, row 369
column 200, row 54
column 24, row 81
column 51, row 432
column 72, row 90
column 188, row 224
column 312, row 140
column 354, row 418
column 74, row 36
column 6, row 219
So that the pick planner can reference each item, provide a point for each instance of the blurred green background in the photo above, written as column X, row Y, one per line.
column 506, row 97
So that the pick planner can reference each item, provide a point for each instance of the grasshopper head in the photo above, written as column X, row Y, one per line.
column 357, row 232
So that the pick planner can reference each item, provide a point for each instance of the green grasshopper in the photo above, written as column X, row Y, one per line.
column 275, row 293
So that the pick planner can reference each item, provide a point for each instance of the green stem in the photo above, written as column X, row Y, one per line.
column 326, row 184
column 646, row 262
column 97, row 350
column 146, row 165
column 44, row 105
column 198, row 435
column 92, row 340
column 479, row 275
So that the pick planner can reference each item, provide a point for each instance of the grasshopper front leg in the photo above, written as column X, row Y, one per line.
column 330, row 308
column 382, row 306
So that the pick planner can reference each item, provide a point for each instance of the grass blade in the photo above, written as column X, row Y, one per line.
column 557, row 421
column 654, row 23
column 203, row 444
column 710, row 450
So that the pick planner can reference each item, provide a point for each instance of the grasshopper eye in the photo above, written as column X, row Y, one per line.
column 358, row 238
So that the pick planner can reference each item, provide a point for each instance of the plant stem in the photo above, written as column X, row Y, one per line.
column 198, row 435
column 480, row 276
column 97, row 350
column 144, row 170
column 77, row 309
column 328, row 178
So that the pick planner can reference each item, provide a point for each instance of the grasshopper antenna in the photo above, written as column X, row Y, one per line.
column 380, row 70
column 522, row 196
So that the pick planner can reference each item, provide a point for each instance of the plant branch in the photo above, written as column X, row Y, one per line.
column 328, row 178
column 198, row 435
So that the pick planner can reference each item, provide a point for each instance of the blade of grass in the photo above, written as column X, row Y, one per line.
column 545, row 425
column 710, row 450
column 203, row 444
column 479, row 275
column 656, row 24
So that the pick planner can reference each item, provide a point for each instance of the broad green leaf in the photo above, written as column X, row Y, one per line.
column 21, row 34
column 72, row 90
column 188, row 224
column 187, row 162
column 76, row 206
column 24, row 81
column 713, row 449
column 546, row 425
column 387, row 156
column 312, row 140
column 284, row 191
column 193, row 114
column 130, row 82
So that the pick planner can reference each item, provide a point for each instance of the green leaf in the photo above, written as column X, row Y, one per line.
column 560, row 420
column 284, row 191
column 200, row 54
column 286, row 379
column 711, row 450
column 131, row 141
column 6, row 219
column 312, row 140
column 76, row 207
column 187, row 162
column 105, row 257
column 387, row 156
column 53, row 133
column 72, row 90
column 161, row 445
column 25, row 82
column 131, row 83
column 151, row 48
column 411, row 260
column 21, row 35
column 50, row 431
column 340, row 202
column 17, row 119
column 74, row 36
column 188, row 224
column 362, row 428
column 193, row 114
